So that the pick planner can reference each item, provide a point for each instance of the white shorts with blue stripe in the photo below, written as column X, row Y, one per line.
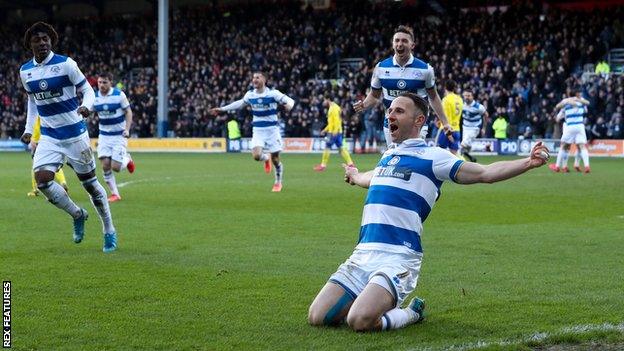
column 399, row 270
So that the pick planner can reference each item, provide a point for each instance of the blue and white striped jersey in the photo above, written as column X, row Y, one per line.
column 415, row 77
column 405, row 186
column 574, row 113
column 472, row 115
column 52, row 85
column 111, row 111
column 264, row 106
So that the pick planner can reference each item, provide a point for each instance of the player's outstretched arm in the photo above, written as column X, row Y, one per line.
column 354, row 177
column 372, row 99
column 470, row 173
column 236, row 105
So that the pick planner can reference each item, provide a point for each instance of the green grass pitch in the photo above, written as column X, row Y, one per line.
column 210, row 259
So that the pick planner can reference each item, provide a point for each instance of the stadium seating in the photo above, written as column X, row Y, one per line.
column 519, row 63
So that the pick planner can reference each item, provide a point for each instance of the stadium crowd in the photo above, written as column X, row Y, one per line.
column 519, row 62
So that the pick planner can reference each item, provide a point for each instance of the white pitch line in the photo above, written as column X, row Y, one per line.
column 121, row 185
column 535, row 337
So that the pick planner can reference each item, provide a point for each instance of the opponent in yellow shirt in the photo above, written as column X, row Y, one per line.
column 334, row 134
column 453, row 106
column 34, row 140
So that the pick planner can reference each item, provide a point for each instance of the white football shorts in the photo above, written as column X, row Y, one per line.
column 113, row 146
column 53, row 153
column 468, row 135
column 269, row 138
column 400, row 272
column 574, row 134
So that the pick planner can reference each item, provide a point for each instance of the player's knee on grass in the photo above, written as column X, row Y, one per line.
column 329, row 315
column 361, row 322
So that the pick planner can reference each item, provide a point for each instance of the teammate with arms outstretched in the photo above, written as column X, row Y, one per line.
column 115, row 115
column 402, row 73
column 368, row 289
column 51, row 82
column 264, row 102
column 474, row 120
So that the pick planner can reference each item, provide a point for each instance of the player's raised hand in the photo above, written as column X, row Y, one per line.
column 350, row 172
column 84, row 111
column 26, row 138
column 214, row 111
column 358, row 106
column 539, row 155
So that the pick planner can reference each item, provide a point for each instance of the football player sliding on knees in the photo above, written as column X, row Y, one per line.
column 368, row 290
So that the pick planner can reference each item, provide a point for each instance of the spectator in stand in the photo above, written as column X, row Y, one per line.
column 599, row 129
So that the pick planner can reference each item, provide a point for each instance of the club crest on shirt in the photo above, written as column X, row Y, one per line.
column 55, row 69
column 418, row 74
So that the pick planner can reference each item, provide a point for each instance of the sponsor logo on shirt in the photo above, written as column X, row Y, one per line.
column 402, row 173
column 395, row 93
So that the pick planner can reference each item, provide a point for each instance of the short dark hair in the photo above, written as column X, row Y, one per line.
column 450, row 85
column 405, row 29
column 420, row 103
column 263, row 73
column 40, row 27
column 468, row 90
column 106, row 75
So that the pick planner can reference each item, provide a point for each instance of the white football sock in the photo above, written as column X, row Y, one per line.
column 55, row 193
column 100, row 202
column 560, row 158
column 398, row 318
column 109, row 178
column 585, row 156
column 564, row 159
column 577, row 158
